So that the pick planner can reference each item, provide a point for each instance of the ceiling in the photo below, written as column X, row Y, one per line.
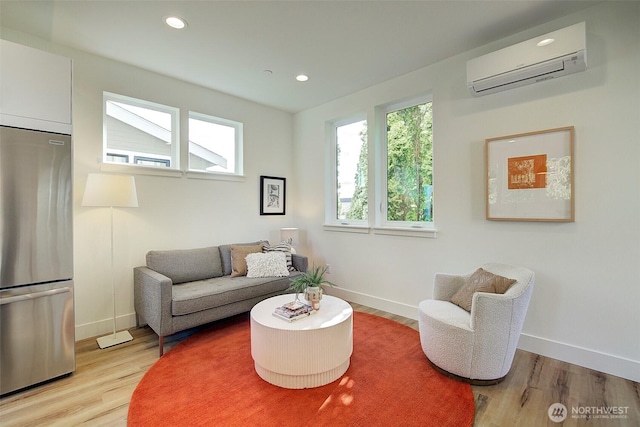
column 343, row 46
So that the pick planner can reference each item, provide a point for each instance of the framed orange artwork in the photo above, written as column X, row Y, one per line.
column 530, row 176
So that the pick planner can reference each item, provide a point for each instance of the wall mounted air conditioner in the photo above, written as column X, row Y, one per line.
column 542, row 58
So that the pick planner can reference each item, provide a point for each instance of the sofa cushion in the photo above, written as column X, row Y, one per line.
column 285, row 248
column 480, row 281
column 225, row 255
column 238, row 258
column 211, row 293
column 185, row 265
column 269, row 264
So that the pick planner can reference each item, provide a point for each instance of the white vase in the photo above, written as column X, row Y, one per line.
column 313, row 294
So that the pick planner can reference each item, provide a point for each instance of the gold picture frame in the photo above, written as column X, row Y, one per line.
column 530, row 176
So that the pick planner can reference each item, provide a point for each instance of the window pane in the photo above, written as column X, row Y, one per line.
column 351, row 155
column 148, row 161
column 117, row 158
column 212, row 146
column 410, row 164
column 136, row 129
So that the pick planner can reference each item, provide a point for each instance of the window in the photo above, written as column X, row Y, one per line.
column 117, row 158
column 149, row 161
column 140, row 132
column 215, row 144
column 146, row 134
column 349, row 160
column 407, row 199
column 394, row 195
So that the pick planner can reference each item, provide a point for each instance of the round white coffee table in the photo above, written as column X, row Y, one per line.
column 308, row 352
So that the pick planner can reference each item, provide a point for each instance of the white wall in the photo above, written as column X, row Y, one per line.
column 174, row 212
column 584, row 307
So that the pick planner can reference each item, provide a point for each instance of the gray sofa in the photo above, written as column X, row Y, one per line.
column 181, row 289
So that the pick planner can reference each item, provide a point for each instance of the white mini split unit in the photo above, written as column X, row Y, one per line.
column 551, row 55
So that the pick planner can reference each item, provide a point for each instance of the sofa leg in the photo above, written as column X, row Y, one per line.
column 161, row 345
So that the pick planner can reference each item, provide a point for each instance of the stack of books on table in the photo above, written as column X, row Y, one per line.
column 293, row 311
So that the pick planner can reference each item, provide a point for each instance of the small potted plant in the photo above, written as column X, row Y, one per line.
column 310, row 283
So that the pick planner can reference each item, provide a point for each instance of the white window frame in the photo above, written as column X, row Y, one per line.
column 382, row 225
column 332, row 222
column 238, row 143
column 174, row 138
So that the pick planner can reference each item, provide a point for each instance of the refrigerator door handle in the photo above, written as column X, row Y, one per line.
column 25, row 297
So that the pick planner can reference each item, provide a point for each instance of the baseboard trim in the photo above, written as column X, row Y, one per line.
column 103, row 327
column 394, row 307
column 598, row 361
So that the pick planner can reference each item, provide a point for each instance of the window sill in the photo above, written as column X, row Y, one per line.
column 429, row 233
column 144, row 170
column 140, row 170
column 215, row 176
column 426, row 233
column 347, row 228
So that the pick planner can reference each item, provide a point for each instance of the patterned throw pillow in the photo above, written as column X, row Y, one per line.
column 270, row 264
column 284, row 247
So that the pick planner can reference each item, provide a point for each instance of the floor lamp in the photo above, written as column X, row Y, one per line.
column 112, row 191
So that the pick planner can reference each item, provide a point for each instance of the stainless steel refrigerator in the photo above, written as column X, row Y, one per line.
column 37, row 338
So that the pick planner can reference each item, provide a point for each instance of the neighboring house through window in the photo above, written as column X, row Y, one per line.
column 140, row 132
column 215, row 144
column 143, row 133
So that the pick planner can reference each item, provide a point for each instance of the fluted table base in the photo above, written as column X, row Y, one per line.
column 308, row 352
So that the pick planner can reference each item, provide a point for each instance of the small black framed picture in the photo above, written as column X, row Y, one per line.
column 273, row 192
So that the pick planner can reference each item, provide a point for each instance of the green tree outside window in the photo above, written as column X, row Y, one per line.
column 410, row 164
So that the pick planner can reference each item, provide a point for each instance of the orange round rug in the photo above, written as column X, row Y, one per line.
column 209, row 380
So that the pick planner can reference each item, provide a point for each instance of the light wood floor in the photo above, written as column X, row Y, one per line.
column 98, row 392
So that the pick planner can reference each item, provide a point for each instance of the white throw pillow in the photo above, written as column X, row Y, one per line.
column 284, row 247
column 268, row 264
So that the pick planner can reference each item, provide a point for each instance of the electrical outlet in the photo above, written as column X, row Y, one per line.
column 328, row 268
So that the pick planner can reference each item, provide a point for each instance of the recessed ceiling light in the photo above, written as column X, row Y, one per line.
column 175, row 22
column 302, row 77
column 545, row 42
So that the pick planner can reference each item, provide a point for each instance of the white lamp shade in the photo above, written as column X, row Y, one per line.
column 289, row 233
column 110, row 191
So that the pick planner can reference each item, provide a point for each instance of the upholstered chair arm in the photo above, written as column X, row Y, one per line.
column 300, row 262
column 509, row 308
column 490, row 309
column 152, row 299
column 495, row 323
column 445, row 285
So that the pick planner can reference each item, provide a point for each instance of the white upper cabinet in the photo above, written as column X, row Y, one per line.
column 35, row 89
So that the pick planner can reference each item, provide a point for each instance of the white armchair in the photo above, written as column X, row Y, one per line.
column 476, row 346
